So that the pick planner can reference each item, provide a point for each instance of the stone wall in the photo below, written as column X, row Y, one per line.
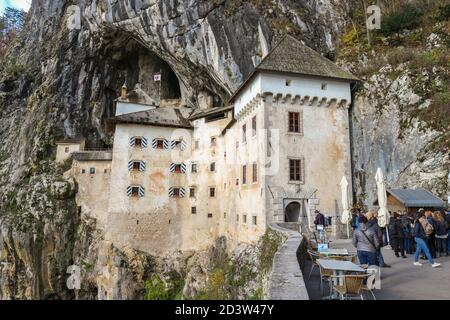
column 286, row 281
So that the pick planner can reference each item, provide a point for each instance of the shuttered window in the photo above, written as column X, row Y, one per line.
column 295, row 169
column 294, row 122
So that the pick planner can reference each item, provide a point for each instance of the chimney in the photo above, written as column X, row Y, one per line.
column 123, row 92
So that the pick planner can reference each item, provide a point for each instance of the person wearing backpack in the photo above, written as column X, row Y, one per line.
column 396, row 235
column 441, row 234
column 420, row 237
column 430, row 231
column 407, row 233
column 373, row 223
column 366, row 242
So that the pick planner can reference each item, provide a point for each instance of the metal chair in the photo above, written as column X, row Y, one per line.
column 313, row 257
column 325, row 276
column 352, row 286
column 370, row 285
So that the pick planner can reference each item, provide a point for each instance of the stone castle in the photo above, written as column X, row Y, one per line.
column 178, row 178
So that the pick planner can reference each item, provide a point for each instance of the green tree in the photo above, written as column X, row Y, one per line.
column 405, row 18
column 11, row 22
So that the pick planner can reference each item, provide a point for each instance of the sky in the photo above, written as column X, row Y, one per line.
column 19, row 4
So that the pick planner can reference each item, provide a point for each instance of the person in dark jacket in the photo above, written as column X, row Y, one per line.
column 441, row 234
column 396, row 235
column 373, row 223
column 406, row 222
column 431, row 242
column 366, row 242
column 320, row 219
column 421, row 241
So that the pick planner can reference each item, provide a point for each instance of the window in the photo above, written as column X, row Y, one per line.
column 92, row 170
column 254, row 126
column 138, row 142
column 135, row 191
column 244, row 174
column 196, row 144
column 177, row 168
column 192, row 192
column 237, row 181
column 244, row 133
column 288, row 83
column 212, row 192
column 194, row 167
column 244, row 218
column 213, row 141
column 294, row 122
column 224, row 215
column 254, row 220
column 255, row 173
column 237, row 218
column 176, row 192
column 83, row 170
column 212, row 167
column 136, row 165
column 295, row 169
column 193, row 210
column 176, row 144
column 210, row 215
column 159, row 144
column 66, row 149
column 105, row 171
column 324, row 86
column 237, row 144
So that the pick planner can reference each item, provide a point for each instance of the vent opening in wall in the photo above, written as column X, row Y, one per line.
column 324, row 86
column 210, row 215
column 288, row 82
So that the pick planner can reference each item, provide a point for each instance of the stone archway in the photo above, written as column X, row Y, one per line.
column 292, row 212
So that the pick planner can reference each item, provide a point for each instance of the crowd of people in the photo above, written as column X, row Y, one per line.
column 426, row 234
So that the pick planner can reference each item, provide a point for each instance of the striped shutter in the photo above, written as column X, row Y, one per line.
column 183, row 168
column 171, row 192
column 173, row 144
column 172, row 167
column 166, row 144
column 132, row 141
column 129, row 191
column 183, row 145
column 141, row 191
column 130, row 165
column 182, row 192
column 142, row 165
column 154, row 143
column 144, row 142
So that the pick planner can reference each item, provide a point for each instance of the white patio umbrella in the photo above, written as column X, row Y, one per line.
column 346, row 216
column 383, row 213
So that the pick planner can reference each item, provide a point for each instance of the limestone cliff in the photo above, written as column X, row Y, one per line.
column 59, row 82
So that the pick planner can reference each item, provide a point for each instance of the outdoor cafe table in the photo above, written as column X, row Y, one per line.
column 334, row 252
column 339, row 268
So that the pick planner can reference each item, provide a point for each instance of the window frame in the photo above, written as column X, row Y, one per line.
column 194, row 165
column 135, row 191
column 92, row 170
column 192, row 192
column 138, row 142
column 212, row 190
column 294, row 122
column 244, row 174
column 294, row 170
column 212, row 167
column 159, row 144
column 254, row 126
column 244, row 133
column 194, row 210
column 254, row 172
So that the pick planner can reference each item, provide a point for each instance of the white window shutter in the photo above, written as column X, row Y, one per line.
column 173, row 144
column 129, row 190
column 171, row 192
column 154, row 143
column 182, row 192
column 183, row 145
column 141, row 191
column 166, row 144
column 172, row 167
column 130, row 165
column 132, row 141
column 142, row 165
column 144, row 142
column 183, row 168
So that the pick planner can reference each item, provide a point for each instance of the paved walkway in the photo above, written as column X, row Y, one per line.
column 403, row 281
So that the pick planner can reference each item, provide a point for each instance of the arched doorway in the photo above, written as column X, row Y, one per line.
column 292, row 212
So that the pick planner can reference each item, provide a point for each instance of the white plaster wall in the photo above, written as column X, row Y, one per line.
column 93, row 189
column 127, row 107
column 62, row 155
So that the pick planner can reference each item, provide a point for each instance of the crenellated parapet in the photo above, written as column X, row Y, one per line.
column 289, row 99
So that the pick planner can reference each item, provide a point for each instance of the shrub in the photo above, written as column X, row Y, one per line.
column 407, row 18
column 155, row 289
column 443, row 13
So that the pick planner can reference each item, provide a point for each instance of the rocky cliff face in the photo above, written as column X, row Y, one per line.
column 60, row 82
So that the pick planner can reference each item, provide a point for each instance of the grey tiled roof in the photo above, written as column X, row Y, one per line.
column 208, row 112
column 417, row 198
column 92, row 155
column 169, row 117
column 290, row 55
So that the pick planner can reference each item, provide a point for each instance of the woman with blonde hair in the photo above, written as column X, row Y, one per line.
column 441, row 234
